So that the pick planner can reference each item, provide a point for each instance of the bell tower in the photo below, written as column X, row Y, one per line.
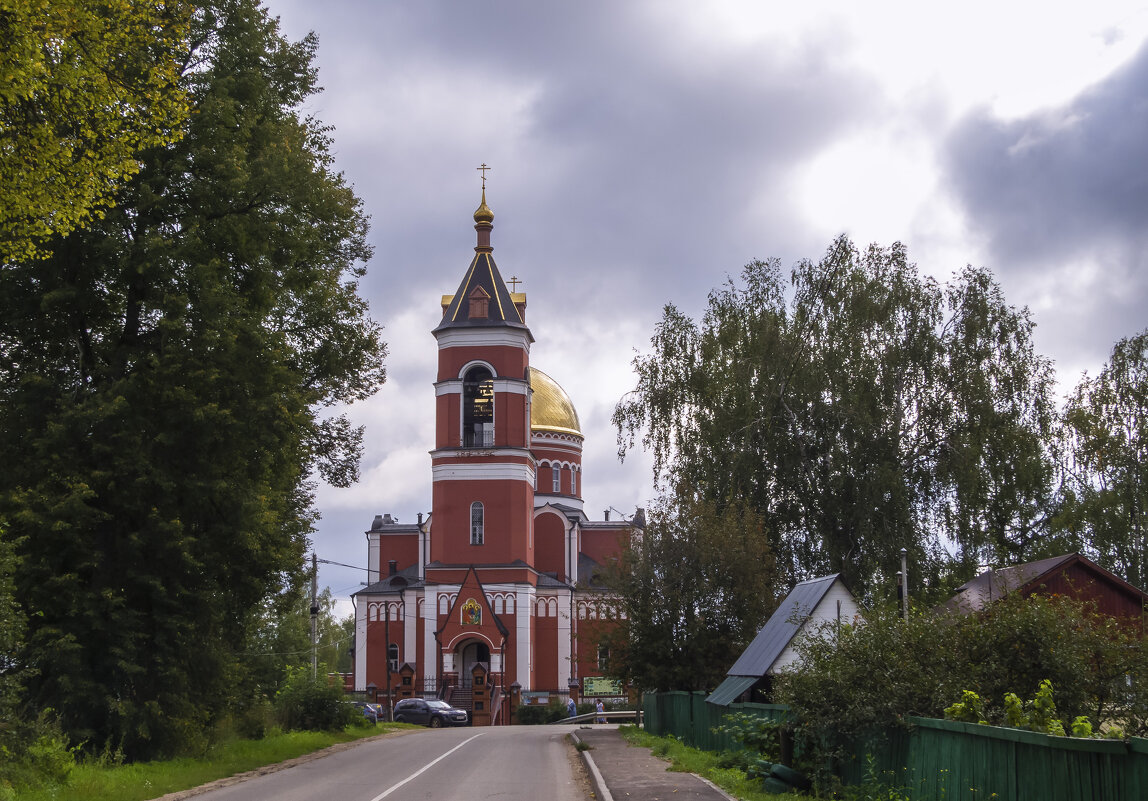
column 482, row 467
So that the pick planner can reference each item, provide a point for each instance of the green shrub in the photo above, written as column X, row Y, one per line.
column 34, row 754
column 1014, row 714
column 855, row 679
column 739, row 758
column 759, row 736
column 1039, row 714
column 852, row 681
column 970, row 709
column 1081, row 727
column 537, row 714
column 307, row 704
column 249, row 719
column 554, row 711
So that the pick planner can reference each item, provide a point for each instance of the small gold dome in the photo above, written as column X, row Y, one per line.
column 550, row 406
column 483, row 214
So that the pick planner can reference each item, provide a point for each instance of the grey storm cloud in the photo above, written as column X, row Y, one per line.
column 1065, row 182
column 637, row 144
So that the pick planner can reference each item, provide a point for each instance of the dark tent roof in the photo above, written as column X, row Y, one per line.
column 483, row 277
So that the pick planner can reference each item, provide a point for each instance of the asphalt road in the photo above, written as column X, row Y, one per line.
column 504, row 762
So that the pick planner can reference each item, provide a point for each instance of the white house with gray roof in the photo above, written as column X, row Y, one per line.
column 808, row 605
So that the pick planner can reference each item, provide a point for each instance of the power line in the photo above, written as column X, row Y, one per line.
column 340, row 564
column 332, row 644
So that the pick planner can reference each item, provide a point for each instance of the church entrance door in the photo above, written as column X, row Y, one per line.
column 472, row 652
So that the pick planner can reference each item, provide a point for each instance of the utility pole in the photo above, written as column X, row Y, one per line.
column 314, row 616
column 905, row 584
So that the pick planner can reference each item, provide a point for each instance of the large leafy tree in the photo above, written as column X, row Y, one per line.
column 695, row 583
column 12, row 627
column 860, row 410
column 85, row 87
column 164, row 376
column 1105, row 505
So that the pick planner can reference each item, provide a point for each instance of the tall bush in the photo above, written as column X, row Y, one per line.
column 862, row 678
column 312, row 704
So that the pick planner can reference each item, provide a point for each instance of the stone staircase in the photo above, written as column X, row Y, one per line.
column 462, row 698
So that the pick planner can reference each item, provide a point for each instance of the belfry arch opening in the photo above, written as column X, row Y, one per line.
column 478, row 408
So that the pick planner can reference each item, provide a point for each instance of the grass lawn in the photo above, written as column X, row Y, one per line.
column 146, row 780
column 703, row 763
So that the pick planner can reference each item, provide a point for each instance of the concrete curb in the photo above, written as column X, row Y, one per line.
column 601, row 791
column 716, row 788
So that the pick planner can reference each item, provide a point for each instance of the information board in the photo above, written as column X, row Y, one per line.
column 600, row 685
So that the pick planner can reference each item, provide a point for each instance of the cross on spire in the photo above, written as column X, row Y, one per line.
column 483, row 168
column 514, row 282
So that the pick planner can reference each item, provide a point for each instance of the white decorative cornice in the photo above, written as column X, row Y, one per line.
column 509, row 386
column 483, row 471
column 483, row 338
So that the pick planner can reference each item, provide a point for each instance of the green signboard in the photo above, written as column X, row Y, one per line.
column 600, row 685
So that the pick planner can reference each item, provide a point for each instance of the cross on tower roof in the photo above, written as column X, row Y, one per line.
column 483, row 168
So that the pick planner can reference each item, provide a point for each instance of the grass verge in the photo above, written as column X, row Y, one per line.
column 146, row 780
column 704, row 763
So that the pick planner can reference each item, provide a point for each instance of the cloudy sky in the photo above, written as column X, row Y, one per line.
column 643, row 151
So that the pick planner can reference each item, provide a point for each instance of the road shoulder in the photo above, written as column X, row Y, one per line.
column 275, row 767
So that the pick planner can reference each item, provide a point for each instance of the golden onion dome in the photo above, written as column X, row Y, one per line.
column 483, row 214
column 550, row 406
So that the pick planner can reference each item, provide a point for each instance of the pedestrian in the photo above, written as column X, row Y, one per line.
column 601, row 711
column 571, row 707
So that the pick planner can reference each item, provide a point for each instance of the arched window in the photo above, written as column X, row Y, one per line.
column 573, row 481
column 476, row 523
column 556, row 473
column 478, row 408
column 393, row 657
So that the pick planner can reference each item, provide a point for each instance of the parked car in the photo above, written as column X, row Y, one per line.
column 372, row 712
column 432, row 712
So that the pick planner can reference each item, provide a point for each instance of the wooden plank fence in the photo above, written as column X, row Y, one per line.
column 937, row 760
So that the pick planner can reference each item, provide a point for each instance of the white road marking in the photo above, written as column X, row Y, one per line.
column 424, row 769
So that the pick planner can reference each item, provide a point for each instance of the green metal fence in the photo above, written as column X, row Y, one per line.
column 688, row 717
column 941, row 759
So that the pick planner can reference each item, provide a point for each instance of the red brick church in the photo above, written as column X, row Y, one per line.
column 496, row 595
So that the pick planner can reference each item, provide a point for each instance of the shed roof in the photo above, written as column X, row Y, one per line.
column 782, row 627
column 730, row 689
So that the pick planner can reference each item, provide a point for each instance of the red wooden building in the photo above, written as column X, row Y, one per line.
column 1070, row 575
column 498, row 591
